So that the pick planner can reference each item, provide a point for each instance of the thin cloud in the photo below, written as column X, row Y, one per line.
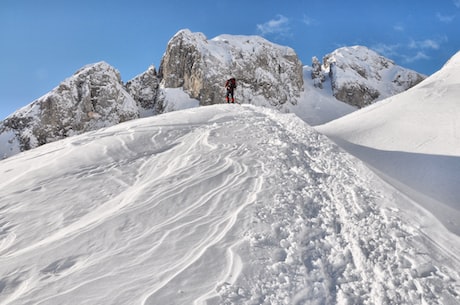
column 387, row 50
column 457, row 3
column 279, row 25
column 433, row 44
column 399, row 27
column 445, row 19
column 307, row 20
column 418, row 56
column 408, row 52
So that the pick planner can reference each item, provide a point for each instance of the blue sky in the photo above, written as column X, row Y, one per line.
column 43, row 42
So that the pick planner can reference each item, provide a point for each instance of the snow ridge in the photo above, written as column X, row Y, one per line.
column 412, row 140
column 224, row 204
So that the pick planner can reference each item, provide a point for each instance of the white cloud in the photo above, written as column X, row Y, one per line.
column 388, row 50
column 409, row 52
column 425, row 44
column 445, row 19
column 310, row 21
column 279, row 25
column 420, row 55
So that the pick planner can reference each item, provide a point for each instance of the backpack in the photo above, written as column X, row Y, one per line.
column 231, row 83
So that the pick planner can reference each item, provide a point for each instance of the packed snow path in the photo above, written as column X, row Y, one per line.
column 222, row 204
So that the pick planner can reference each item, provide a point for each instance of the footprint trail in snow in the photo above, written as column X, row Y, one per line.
column 223, row 204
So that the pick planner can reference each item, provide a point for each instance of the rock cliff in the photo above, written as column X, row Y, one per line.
column 267, row 73
column 92, row 98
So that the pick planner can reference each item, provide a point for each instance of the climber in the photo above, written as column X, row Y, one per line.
column 230, row 85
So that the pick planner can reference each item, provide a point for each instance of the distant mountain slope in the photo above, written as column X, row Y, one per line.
column 318, row 105
column 223, row 204
column 413, row 138
column 360, row 76
column 92, row 98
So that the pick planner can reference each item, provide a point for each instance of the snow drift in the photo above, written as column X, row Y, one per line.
column 223, row 204
column 413, row 140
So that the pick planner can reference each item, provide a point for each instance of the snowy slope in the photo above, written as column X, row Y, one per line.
column 318, row 105
column 413, row 139
column 223, row 204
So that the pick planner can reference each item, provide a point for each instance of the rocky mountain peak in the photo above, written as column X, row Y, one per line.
column 92, row 98
column 267, row 73
column 360, row 76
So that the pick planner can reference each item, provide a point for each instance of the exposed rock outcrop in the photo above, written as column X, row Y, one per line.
column 145, row 90
column 266, row 73
column 92, row 98
column 360, row 76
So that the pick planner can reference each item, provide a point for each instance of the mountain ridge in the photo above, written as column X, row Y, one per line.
column 268, row 74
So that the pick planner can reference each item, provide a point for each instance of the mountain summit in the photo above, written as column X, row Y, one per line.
column 360, row 76
column 92, row 98
column 267, row 73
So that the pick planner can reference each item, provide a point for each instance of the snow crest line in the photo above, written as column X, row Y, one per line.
column 223, row 204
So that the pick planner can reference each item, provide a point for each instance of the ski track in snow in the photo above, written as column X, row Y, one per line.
column 246, row 206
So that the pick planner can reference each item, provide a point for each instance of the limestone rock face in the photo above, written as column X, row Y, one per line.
column 92, row 98
column 145, row 90
column 360, row 76
column 266, row 73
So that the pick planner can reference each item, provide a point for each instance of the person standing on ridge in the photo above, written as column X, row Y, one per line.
column 230, row 85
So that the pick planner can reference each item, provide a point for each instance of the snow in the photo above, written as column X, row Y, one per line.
column 222, row 204
column 413, row 141
column 177, row 99
column 318, row 106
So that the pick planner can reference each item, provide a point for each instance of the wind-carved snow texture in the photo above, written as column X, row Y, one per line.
column 223, row 204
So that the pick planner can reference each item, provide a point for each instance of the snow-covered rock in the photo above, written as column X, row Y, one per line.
column 267, row 74
column 317, row 105
column 145, row 90
column 360, row 76
column 92, row 98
